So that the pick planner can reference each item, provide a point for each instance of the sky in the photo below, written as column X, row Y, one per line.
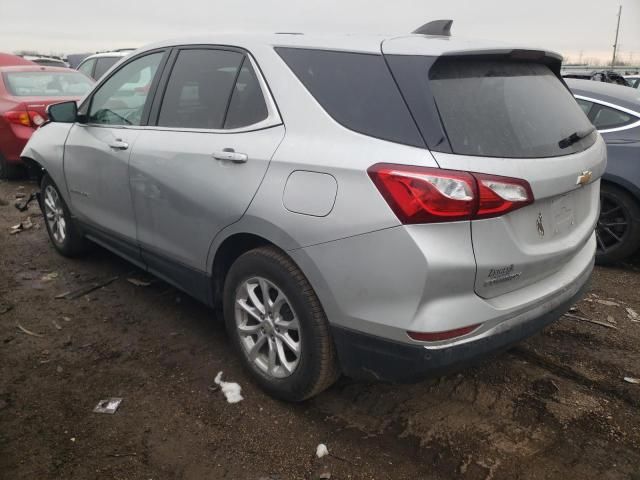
column 578, row 29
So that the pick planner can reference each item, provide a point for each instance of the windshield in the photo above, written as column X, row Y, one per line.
column 47, row 84
column 505, row 108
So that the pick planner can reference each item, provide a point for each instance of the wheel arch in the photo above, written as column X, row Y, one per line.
column 623, row 184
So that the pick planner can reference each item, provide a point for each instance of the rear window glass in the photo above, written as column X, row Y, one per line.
column 504, row 108
column 357, row 90
column 47, row 84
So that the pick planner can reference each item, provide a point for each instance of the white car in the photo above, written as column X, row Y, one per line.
column 97, row 65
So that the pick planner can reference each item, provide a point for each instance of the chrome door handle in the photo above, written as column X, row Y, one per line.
column 119, row 145
column 229, row 154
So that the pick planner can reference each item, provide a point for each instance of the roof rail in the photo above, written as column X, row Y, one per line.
column 436, row 27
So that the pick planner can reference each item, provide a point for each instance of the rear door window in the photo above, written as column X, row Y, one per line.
column 506, row 108
column 247, row 106
column 199, row 89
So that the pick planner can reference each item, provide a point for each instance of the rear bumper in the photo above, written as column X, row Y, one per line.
column 367, row 357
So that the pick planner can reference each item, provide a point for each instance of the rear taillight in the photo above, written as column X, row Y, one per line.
column 25, row 118
column 428, row 195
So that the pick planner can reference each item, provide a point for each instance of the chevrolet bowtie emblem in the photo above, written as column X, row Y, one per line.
column 584, row 177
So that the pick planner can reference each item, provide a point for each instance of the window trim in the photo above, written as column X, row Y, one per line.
column 85, row 106
column 273, row 118
column 615, row 107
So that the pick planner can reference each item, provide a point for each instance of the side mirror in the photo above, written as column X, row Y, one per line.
column 65, row 112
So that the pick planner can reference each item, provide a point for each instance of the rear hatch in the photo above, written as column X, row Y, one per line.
column 507, row 113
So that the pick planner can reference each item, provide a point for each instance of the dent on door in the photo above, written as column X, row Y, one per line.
column 185, row 193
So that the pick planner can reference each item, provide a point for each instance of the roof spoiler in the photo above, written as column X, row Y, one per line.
column 436, row 27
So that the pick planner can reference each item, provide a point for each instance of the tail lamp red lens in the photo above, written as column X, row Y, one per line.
column 428, row 195
column 26, row 118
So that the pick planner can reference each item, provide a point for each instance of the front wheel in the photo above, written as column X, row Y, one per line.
column 65, row 236
column 618, row 229
column 277, row 324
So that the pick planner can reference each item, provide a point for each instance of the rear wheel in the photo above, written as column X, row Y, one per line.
column 279, row 327
column 10, row 170
column 65, row 236
column 618, row 229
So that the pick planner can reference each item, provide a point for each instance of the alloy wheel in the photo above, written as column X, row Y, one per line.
column 268, row 327
column 613, row 224
column 54, row 214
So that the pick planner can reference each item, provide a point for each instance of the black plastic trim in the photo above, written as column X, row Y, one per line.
column 367, row 357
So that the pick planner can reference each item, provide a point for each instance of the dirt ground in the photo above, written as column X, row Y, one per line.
column 555, row 406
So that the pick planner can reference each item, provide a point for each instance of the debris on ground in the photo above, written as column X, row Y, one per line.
column 585, row 319
column 138, row 283
column 573, row 309
column 321, row 450
column 325, row 476
column 56, row 325
column 72, row 295
column 24, row 205
column 635, row 381
column 29, row 332
column 118, row 455
column 633, row 315
column 109, row 405
column 231, row 390
column 5, row 307
column 608, row 303
column 21, row 227
column 611, row 320
column 49, row 276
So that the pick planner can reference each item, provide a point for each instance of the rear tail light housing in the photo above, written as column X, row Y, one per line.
column 26, row 118
column 430, row 195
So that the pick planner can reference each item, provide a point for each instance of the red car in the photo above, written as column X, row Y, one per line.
column 25, row 93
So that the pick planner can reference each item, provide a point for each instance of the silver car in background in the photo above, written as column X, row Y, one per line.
column 382, row 207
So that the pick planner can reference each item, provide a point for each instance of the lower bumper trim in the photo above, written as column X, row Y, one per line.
column 367, row 357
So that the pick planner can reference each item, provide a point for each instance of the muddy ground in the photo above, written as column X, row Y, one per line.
column 555, row 406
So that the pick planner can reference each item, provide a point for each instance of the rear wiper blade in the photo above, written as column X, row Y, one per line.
column 575, row 137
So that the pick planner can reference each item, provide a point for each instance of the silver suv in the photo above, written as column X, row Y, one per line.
column 380, row 207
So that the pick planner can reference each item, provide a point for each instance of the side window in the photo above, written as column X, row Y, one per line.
column 584, row 105
column 87, row 67
column 121, row 99
column 103, row 64
column 247, row 105
column 198, row 90
column 357, row 90
column 605, row 117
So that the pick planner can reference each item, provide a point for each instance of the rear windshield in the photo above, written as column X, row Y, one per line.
column 504, row 108
column 47, row 84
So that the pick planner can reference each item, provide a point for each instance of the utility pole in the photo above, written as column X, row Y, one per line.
column 615, row 45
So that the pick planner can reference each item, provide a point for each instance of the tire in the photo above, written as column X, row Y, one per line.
column 618, row 229
column 63, row 232
column 9, row 170
column 316, row 365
